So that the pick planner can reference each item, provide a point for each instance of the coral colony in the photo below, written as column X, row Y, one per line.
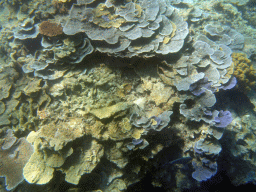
column 101, row 92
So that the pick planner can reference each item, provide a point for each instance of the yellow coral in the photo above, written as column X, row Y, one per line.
column 138, row 10
column 230, row 71
column 174, row 29
column 63, row 1
column 166, row 40
column 105, row 17
column 244, row 71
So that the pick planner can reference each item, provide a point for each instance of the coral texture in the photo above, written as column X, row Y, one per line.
column 27, row 30
column 110, row 91
column 50, row 29
column 14, row 154
column 142, row 28
column 244, row 72
column 52, row 148
column 205, row 164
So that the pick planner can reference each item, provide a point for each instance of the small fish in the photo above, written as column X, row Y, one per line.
column 183, row 160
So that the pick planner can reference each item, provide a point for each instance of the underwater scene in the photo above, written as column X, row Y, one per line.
column 127, row 95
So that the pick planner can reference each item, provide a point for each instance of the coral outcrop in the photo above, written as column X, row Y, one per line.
column 27, row 30
column 108, row 91
column 226, row 35
column 210, row 61
column 56, row 52
column 14, row 154
column 205, row 164
column 52, row 145
column 240, row 141
column 143, row 28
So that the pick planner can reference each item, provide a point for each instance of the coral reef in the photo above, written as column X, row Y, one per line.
column 68, row 50
column 110, row 91
column 205, row 163
column 27, row 30
column 249, row 13
column 86, row 161
column 223, row 119
column 210, row 60
column 14, row 154
column 155, row 123
column 226, row 35
column 208, row 69
column 244, row 71
column 237, row 2
column 52, row 147
column 141, row 28
column 240, row 141
column 243, row 130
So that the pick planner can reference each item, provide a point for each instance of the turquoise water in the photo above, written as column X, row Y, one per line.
column 125, row 95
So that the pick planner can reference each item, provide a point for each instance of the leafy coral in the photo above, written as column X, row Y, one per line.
column 14, row 154
column 135, row 28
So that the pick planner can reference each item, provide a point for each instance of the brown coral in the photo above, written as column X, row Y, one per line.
column 244, row 71
column 50, row 29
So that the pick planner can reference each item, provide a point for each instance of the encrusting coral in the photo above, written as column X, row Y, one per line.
column 244, row 71
column 50, row 29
